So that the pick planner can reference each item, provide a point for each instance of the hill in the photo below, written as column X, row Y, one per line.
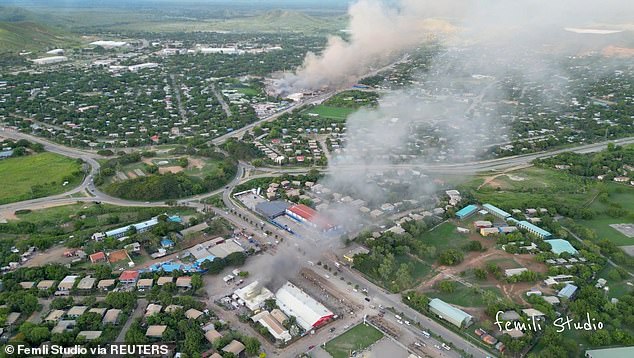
column 284, row 20
column 30, row 36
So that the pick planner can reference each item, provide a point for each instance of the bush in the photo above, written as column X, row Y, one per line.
column 450, row 257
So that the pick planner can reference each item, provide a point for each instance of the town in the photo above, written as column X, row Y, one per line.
column 275, row 180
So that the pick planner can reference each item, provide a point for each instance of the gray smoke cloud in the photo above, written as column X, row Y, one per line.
column 449, row 112
column 381, row 30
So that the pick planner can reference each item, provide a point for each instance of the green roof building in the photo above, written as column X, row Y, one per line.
column 449, row 313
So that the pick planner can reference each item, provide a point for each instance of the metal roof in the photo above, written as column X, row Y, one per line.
column 449, row 311
column 560, row 245
column 617, row 352
column 495, row 210
column 528, row 226
column 272, row 209
column 469, row 209
column 567, row 291
column 295, row 302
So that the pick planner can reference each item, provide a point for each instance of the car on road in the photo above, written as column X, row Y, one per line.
column 408, row 323
column 311, row 347
column 446, row 347
column 399, row 321
column 367, row 299
column 426, row 334
column 397, row 317
column 437, row 346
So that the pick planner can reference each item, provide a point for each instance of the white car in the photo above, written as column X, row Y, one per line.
column 407, row 323
column 399, row 321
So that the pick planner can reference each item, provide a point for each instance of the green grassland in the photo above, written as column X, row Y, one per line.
column 355, row 339
column 331, row 112
column 37, row 175
column 444, row 236
column 29, row 36
column 464, row 296
column 541, row 187
column 270, row 21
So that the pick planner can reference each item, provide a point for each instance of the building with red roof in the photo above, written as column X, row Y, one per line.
column 309, row 216
column 98, row 257
column 129, row 277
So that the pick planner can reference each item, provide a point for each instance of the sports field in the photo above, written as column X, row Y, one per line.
column 36, row 176
column 355, row 339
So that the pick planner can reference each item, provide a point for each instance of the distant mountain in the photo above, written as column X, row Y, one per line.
column 18, row 14
column 31, row 36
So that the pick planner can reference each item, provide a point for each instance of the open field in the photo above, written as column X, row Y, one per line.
column 355, row 339
column 37, row 175
column 445, row 236
column 331, row 112
column 464, row 296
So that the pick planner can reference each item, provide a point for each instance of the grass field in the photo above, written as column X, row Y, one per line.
column 464, row 296
column 332, row 112
column 36, row 176
column 355, row 339
column 444, row 236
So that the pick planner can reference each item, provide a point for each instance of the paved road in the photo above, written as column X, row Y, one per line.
column 141, row 304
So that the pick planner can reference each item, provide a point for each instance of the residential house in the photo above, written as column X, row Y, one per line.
column 112, row 316
column 76, row 311
column 129, row 277
column 45, row 284
column 105, row 284
column 155, row 331
column 144, row 283
column 184, row 282
column 98, row 257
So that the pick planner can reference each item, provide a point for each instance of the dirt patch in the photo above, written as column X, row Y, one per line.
column 117, row 256
column 195, row 163
column 131, row 175
column 52, row 255
column 515, row 177
column 174, row 169
column 613, row 51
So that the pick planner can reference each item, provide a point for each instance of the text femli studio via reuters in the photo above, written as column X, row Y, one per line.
column 109, row 350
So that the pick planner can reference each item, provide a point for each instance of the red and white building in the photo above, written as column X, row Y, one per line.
column 310, row 217
column 309, row 313
column 129, row 277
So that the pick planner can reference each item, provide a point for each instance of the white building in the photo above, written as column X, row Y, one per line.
column 254, row 295
column 109, row 44
column 275, row 327
column 309, row 313
column 49, row 60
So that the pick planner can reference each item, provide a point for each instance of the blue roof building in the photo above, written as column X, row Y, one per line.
column 494, row 210
column 558, row 246
column 568, row 291
column 175, row 219
column 535, row 230
column 206, row 258
column 140, row 227
column 167, row 243
column 466, row 211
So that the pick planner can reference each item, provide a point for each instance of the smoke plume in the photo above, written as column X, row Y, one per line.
column 450, row 110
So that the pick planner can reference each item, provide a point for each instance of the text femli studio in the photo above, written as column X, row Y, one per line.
column 561, row 323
